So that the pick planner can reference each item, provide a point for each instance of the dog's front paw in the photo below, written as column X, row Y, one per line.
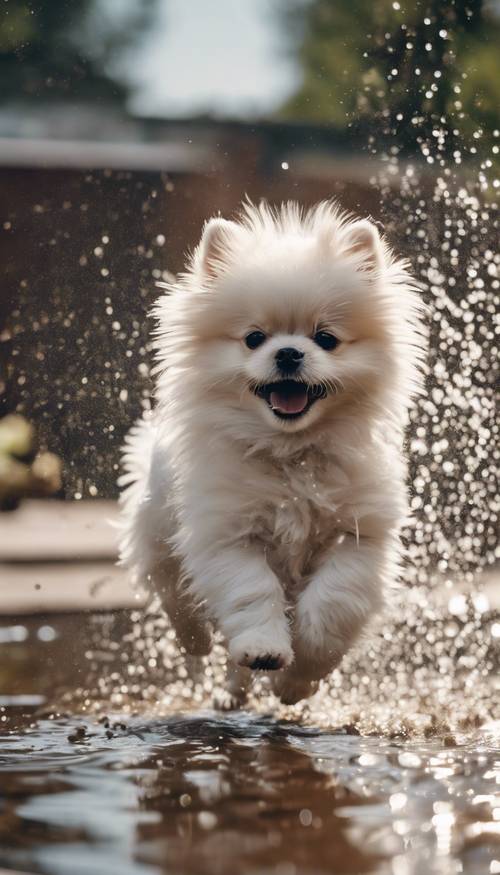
column 261, row 652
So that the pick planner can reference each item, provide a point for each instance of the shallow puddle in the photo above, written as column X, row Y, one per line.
column 206, row 793
column 131, row 792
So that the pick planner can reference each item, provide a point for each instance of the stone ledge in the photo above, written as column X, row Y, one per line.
column 58, row 556
column 51, row 530
column 58, row 587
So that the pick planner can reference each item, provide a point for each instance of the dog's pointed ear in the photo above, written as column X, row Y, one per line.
column 215, row 245
column 361, row 238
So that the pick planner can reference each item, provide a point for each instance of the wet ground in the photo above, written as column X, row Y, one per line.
column 85, row 789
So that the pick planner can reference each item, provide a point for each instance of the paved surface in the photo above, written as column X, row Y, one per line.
column 60, row 556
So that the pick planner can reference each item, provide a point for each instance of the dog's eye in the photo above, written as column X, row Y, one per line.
column 254, row 339
column 325, row 340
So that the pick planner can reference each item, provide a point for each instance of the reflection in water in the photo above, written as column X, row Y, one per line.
column 206, row 794
column 243, row 794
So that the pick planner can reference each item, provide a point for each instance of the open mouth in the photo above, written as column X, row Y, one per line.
column 290, row 399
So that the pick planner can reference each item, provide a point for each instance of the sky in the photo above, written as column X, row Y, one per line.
column 227, row 57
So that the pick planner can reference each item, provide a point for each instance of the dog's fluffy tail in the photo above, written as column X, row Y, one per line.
column 137, row 454
column 137, row 451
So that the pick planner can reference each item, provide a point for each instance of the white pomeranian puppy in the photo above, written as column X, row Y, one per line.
column 265, row 494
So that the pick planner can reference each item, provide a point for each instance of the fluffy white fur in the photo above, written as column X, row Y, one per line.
column 281, row 533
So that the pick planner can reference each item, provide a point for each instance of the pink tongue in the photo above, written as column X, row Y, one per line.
column 292, row 402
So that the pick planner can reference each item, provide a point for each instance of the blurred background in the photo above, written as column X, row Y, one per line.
column 124, row 124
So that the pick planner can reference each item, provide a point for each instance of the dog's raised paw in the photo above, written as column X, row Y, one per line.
column 267, row 662
column 266, row 659
column 261, row 652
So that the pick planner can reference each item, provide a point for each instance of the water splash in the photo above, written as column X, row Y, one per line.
column 429, row 664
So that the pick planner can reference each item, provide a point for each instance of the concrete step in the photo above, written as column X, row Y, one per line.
column 51, row 587
column 44, row 530
column 60, row 556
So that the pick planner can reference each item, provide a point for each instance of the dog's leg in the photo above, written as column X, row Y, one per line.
column 340, row 598
column 247, row 603
column 191, row 628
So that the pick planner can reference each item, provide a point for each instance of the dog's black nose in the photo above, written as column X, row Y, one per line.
column 288, row 359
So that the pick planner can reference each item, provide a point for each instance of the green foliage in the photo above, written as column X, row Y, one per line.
column 67, row 48
column 397, row 69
